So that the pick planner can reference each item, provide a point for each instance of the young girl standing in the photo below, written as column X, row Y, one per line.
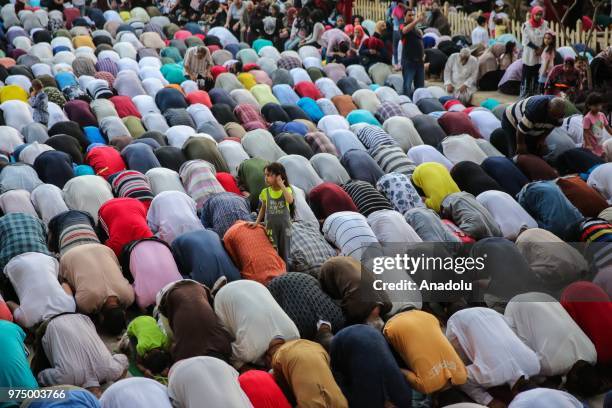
column 596, row 127
column 275, row 208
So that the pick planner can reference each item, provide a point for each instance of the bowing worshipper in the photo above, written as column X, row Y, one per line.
column 190, row 322
column 262, row 390
column 302, row 298
column 19, row 176
column 198, row 177
column 170, row 157
column 366, row 369
column 77, row 355
column 365, row 197
column 428, row 225
column 511, row 218
column 329, row 168
column 361, row 166
column 87, row 193
column 585, row 198
column 70, row 229
column 21, row 233
column 222, row 210
column 435, row 182
column 92, row 273
column 253, row 318
column 309, row 249
column 493, row 63
column 136, row 392
column 54, row 167
column 389, row 226
column 302, row 367
column 505, row 173
column 578, row 160
column 195, row 380
column 48, row 201
column 148, row 265
column 563, row 349
column 164, row 179
column 206, row 149
column 75, row 397
column 105, row 160
column 424, row 153
column 17, row 201
column 147, row 345
column 14, row 365
column 545, row 202
column 34, row 277
column 139, row 157
column 200, row 255
column 590, row 307
column 500, row 281
column 342, row 277
column 123, row 220
column 67, row 144
column 469, row 215
column 418, row 339
column 600, row 178
column 399, row 190
column 493, row 354
column 350, row 233
column 528, row 122
column 131, row 184
column 471, row 178
column 460, row 75
column 171, row 214
column 252, row 252
column 328, row 198
column 540, row 397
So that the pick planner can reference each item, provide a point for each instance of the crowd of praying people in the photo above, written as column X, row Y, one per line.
column 190, row 193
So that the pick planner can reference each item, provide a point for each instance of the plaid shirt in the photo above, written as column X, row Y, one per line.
column 309, row 249
column 320, row 143
column 21, row 233
column 389, row 109
column 222, row 210
column 289, row 63
column 248, row 114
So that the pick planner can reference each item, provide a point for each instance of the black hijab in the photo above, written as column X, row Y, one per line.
column 68, row 145
column 170, row 157
column 54, row 167
column 470, row 177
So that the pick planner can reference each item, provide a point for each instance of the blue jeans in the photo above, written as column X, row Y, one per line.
column 413, row 72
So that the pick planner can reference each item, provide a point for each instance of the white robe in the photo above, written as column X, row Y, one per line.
column 48, row 201
column 496, row 355
column 458, row 74
column 507, row 212
column 87, row 193
column 171, row 214
column 251, row 315
column 544, row 325
column 136, row 392
column 545, row 398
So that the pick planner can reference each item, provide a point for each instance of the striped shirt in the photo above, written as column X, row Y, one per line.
column 131, row 184
column 198, row 177
column 392, row 159
column 373, row 137
column 366, row 197
column 196, row 65
column 350, row 233
column 309, row 249
column 320, row 143
column 70, row 229
column 530, row 116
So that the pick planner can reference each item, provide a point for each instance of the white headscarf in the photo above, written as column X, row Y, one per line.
column 136, row 392
column 205, row 381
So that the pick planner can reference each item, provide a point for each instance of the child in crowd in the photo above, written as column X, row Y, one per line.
column 547, row 59
column 276, row 203
column 500, row 27
column 149, row 345
column 596, row 126
column 40, row 102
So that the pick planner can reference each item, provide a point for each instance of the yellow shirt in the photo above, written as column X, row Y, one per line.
column 12, row 92
column 500, row 30
column 247, row 80
column 433, row 362
column 436, row 182
column 275, row 194
column 304, row 366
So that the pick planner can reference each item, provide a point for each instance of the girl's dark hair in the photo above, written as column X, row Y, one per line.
column 594, row 99
column 277, row 169
column 553, row 44
column 36, row 84
column 156, row 360
column 510, row 45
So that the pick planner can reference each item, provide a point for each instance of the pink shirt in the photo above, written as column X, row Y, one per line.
column 596, row 124
column 152, row 266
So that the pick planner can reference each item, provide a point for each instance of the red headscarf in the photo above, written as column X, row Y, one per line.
column 262, row 390
column 591, row 309
column 535, row 10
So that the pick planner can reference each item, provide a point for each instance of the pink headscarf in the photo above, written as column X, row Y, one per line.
column 535, row 10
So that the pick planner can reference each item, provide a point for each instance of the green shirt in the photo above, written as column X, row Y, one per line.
column 148, row 334
column 275, row 194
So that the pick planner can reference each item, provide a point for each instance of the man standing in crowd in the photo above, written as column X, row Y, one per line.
column 480, row 35
column 413, row 68
column 197, row 65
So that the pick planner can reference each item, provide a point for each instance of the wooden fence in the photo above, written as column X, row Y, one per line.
column 462, row 23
